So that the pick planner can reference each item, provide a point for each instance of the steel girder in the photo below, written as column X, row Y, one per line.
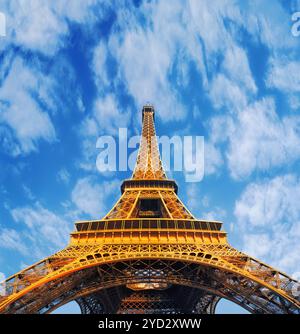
column 64, row 277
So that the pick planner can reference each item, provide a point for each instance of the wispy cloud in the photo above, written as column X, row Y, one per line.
column 258, row 138
column 91, row 198
column 284, row 75
column 11, row 239
column 43, row 27
column 63, row 176
column 202, row 206
column 20, row 111
column 268, row 216
column 110, row 116
column 43, row 224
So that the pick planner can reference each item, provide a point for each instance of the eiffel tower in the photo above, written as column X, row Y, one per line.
column 149, row 255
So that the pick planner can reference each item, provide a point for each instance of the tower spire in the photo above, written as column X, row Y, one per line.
column 148, row 165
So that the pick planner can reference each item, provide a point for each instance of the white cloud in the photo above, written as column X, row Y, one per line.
column 268, row 218
column 2, row 286
column 99, row 65
column 234, row 85
column 227, row 93
column 258, row 245
column 80, row 11
column 147, row 54
column 11, row 239
column 63, row 176
column 263, row 204
column 184, row 36
column 80, row 105
column 147, row 81
column 42, row 27
column 90, row 197
column 8, row 143
column 284, row 75
column 255, row 138
column 259, row 139
column 105, row 120
column 201, row 206
column 213, row 160
column 37, row 231
column 43, row 226
column 171, row 37
column 269, row 22
column 174, row 35
column 215, row 214
column 236, row 67
column 294, row 101
column 21, row 112
column 34, row 26
column 109, row 116
column 28, row 192
column 207, row 20
column 193, row 196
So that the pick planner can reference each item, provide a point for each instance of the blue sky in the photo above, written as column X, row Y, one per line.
column 71, row 71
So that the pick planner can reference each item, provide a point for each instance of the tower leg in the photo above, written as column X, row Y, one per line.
column 206, row 305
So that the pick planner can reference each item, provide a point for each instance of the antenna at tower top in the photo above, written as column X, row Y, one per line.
column 148, row 108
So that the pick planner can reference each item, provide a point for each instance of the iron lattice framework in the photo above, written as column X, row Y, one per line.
column 149, row 254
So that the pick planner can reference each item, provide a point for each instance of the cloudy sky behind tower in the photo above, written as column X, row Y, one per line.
column 71, row 71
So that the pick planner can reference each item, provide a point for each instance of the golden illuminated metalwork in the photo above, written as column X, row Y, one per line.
column 149, row 254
